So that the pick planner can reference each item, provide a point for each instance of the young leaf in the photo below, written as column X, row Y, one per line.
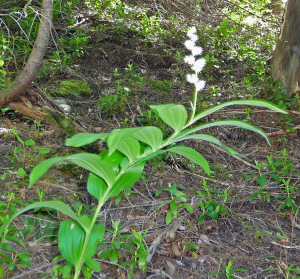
column 152, row 136
column 192, row 155
column 173, row 115
column 256, row 103
column 82, row 139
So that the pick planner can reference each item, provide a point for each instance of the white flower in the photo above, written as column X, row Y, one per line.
column 198, row 65
column 190, row 59
column 194, row 37
column 200, row 85
column 192, row 31
column 192, row 78
column 189, row 44
column 196, row 50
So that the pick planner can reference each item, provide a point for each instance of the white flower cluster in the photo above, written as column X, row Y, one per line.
column 197, row 64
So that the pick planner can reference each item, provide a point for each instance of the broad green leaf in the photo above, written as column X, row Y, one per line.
column 256, row 103
column 131, row 148
column 117, row 136
column 152, row 136
column 114, row 159
column 127, row 179
column 192, row 155
column 90, row 162
column 96, row 235
column 208, row 138
column 236, row 123
column 93, row 163
column 172, row 114
column 82, row 139
column 96, row 186
column 57, row 205
column 70, row 240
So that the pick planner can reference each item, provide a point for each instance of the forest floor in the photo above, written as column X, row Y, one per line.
column 257, row 238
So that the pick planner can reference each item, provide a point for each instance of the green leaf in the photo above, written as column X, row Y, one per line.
column 253, row 102
column 131, row 148
column 93, row 163
column 67, row 270
column 70, row 240
column 29, row 142
column 188, row 208
column 236, row 123
column 174, row 208
column 2, row 271
column 169, row 217
column 173, row 115
column 192, row 155
column 207, row 138
column 96, row 186
column 57, row 205
column 90, row 162
column 213, row 214
column 39, row 170
column 152, row 136
column 82, row 139
column 93, row 264
column 21, row 172
column 117, row 136
column 113, row 258
column 127, row 179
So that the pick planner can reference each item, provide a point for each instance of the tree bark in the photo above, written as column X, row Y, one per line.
column 35, row 60
column 285, row 63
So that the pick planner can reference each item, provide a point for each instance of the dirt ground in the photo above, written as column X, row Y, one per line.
column 254, row 236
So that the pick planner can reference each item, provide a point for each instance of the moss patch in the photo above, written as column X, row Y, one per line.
column 72, row 87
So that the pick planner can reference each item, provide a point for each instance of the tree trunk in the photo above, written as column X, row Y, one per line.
column 35, row 60
column 285, row 63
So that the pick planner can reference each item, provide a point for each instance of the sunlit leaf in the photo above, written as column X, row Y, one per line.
column 152, row 136
column 173, row 115
column 131, row 148
column 117, row 136
column 192, row 155
column 82, row 139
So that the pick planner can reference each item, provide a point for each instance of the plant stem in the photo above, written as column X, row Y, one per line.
column 88, row 233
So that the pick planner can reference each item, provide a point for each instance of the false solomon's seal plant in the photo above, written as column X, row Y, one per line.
column 121, row 165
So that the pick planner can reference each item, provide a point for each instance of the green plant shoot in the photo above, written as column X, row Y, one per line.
column 122, row 164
